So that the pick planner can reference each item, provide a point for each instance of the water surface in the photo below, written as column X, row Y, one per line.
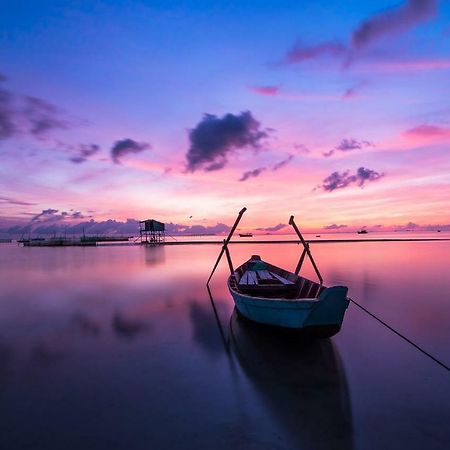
column 118, row 347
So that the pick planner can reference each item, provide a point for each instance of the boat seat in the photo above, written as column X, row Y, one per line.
column 264, row 275
column 280, row 278
column 248, row 277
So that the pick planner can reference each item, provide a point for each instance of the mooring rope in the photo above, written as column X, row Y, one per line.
column 401, row 335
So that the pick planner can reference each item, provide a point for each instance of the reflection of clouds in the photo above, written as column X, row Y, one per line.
column 86, row 325
column 48, row 352
column 127, row 327
column 205, row 332
column 54, row 346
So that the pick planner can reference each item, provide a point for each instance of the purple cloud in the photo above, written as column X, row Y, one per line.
column 126, row 146
column 301, row 53
column 278, row 227
column 389, row 22
column 348, row 145
column 283, row 163
column 46, row 213
column 84, row 152
column 178, row 229
column 42, row 117
column 252, row 174
column 50, row 222
column 7, row 123
column 301, row 148
column 393, row 21
column 214, row 138
column 334, row 226
column 12, row 201
column 341, row 180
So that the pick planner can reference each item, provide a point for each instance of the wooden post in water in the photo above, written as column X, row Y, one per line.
column 225, row 245
column 306, row 249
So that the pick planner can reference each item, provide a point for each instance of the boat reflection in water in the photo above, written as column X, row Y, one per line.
column 302, row 382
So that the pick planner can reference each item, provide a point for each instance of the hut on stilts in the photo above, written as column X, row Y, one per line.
column 152, row 232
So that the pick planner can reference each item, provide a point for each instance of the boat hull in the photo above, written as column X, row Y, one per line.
column 321, row 317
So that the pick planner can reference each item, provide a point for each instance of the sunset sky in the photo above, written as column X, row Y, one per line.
column 186, row 111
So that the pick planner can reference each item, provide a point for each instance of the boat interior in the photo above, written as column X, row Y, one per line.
column 259, row 278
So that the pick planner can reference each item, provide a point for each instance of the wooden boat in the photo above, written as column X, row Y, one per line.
column 363, row 231
column 246, row 234
column 269, row 295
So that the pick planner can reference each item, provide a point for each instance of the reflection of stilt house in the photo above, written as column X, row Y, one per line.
column 151, row 231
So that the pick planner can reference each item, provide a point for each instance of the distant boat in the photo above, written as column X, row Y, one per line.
column 363, row 231
column 269, row 295
column 246, row 234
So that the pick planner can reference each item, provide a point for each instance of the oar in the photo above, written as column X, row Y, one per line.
column 225, row 243
column 306, row 246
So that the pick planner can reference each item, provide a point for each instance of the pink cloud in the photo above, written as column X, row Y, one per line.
column 427, row 132
column 421, row 65
column 265, row 90
column 349, row 93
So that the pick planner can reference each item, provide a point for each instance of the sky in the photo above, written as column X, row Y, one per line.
column 186, row 111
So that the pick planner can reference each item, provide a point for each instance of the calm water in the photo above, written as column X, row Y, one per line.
column 118, row 347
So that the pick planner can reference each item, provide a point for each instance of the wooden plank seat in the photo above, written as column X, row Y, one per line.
column 248, row 277
column 264, row 275
column 280, row 278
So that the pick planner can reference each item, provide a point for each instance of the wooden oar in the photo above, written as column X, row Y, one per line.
column 225, row 243
column 308, row 252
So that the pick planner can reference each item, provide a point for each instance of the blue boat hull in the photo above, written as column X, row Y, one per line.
column 321, row 317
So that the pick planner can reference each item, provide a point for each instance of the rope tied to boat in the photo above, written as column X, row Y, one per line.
column 417, row 347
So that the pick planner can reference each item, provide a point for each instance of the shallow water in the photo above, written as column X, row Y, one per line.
column 118, row 347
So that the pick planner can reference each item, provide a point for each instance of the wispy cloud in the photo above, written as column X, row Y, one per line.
column 214, row 138
column 252, row 174
column 275, row 228
column 347, row 145
column 12, row 201
column 428, row 131
column 300, row 53
column 405, row 65
column 353, row 91
column 283, row 163
column 334, row 226
column 344, row 179
column 43, row 117
column 390, row 22
column 301, row 148
column 393, row 21
column 265, row 90
column 8, row 126
column 85, row 151
column 28, row 115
